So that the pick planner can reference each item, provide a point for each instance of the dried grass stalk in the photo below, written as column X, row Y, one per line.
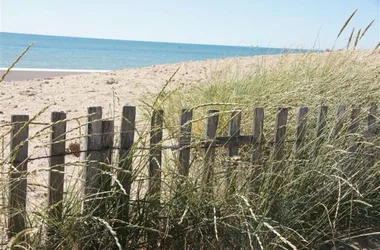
column 350, row 39
column 366, row 29
column 357, row 39
column 346, row 23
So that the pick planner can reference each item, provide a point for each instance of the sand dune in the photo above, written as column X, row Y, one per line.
column 74, row 93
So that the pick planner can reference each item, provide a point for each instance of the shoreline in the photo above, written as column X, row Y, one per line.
column 29, row 74
column 24, row 74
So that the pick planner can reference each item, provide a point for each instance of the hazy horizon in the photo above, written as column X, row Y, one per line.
column 148, row 41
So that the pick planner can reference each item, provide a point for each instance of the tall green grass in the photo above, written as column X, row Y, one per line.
column 331, row 201
column 317, row 203
column 314, row 203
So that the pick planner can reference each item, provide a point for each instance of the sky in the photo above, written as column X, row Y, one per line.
column 265, row 23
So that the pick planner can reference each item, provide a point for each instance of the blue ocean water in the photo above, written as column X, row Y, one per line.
column 53, row 52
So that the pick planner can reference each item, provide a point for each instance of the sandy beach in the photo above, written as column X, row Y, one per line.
column 74, row 92
column 27, row 91
column 42, row 92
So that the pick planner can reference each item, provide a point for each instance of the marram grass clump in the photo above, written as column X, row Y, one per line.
column 323, row 200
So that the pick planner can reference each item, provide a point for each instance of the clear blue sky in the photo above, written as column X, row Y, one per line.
column 273, row 23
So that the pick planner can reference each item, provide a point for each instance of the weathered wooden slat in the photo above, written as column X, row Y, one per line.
column 321, row 124
column 355, row 120
column 321, row 121
column 257, row 142
column 93, row 146
column 279, row 137
column 124, row 177
column 353, row 127
column 232, row 165
column 155, row 154
column 372, row 125
column 339, row 120
column 233, row 149
column 211, row 127
column 57, row 169
column 233, row 131
column 106, row 151
column 257, row 132
column 18, row 181
column 155, row 163
column 184, row 141
column 371, row 132
column 186, row 117
column 300, row 131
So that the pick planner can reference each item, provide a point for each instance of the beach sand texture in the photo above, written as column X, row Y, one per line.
column 112, row 90
column 74, row 93
column 30, row 74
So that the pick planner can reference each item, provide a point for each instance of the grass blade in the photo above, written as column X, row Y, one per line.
column 357, row 39
column 15, row 62
column 366, row 29
column 349, row 40
column 346, row 23
column 377, row 46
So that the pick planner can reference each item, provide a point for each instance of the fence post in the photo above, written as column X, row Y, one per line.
column 279, row 137
column 211, row 127
column 93, row 146
column 56, row 171
column 18, row 181
column 372, row 128
column 339, row 121
column 257, row 150
column 233, row 149
column 353, row 127
column 371, row 132
column 258, row 129
column 185, row 121
column 184, row 141
column 124, row 176
column 300, row 131
column 106, row 160
column 321, row 124
column 155, row 163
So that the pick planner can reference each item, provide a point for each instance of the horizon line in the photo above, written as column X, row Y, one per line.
column 150, row 41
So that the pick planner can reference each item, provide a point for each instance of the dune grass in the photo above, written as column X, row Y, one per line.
column 327, row 201
column 322, row 202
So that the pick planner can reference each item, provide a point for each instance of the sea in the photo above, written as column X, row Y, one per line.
column 74, row 53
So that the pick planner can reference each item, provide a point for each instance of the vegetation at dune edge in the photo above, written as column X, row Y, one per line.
column 324, row 200
column 331, row 201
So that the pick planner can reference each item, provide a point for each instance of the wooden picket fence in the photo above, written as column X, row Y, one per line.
column 99, row 143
